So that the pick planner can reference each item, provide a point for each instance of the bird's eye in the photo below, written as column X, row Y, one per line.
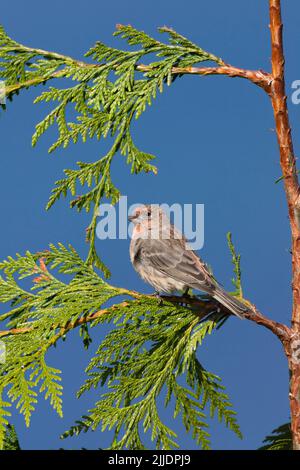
column 148, row 213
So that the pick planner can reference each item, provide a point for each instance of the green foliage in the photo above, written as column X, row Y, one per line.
column 147, row 355
column 280, row 439
column 11, row 441
column 108, row 93
column 4, row 414
column 236, row 261
column 150, row 352
column 281, row 178
column 44, row 311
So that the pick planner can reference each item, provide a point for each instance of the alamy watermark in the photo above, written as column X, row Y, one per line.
column 187, row 219
column 2, row 92
column 2, row 353
column 296, row 94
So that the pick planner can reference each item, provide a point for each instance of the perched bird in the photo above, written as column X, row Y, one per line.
column 161, row 256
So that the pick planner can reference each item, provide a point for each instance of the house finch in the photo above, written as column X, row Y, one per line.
column 161, row 256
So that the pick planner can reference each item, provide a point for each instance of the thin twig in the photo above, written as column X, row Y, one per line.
column 258, row 77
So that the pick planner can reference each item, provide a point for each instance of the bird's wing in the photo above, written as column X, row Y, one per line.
column 172, row 258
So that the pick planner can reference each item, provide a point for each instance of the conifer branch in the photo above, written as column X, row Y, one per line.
column 292, row 190
column 38, row 320
column 258, row 77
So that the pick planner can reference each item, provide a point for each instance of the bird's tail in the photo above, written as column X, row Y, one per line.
column 231, row 303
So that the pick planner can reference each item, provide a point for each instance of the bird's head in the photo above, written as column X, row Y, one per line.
column 146, row 213
column 150, row 221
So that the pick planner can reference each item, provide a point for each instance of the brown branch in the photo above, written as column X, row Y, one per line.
column 32, row 82
column 282, row 331
column 291, row 184
column 258, row 77
column 287, row 156
column 200, row 307
column 15, row 331
column 70, row 325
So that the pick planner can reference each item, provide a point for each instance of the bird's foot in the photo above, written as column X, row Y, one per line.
column 157, row 295
column 186, row 296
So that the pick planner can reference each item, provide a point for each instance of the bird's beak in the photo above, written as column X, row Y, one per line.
column 131, row 217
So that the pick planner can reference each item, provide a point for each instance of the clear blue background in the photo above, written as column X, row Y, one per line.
column 215, row 144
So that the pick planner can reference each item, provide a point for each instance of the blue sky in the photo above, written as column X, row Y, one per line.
column 215, row 144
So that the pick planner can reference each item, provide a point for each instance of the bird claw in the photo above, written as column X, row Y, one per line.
column 185, row 296
column 156, row 295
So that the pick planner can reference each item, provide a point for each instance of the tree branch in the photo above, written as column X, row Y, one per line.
column 32, row 82
column 274, row 86
column 258, row 77
column 287, row 156
column 15, row 331
column 200, row 307
column 291, row 184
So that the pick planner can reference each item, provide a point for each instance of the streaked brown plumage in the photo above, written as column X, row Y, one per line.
column 160, row 254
